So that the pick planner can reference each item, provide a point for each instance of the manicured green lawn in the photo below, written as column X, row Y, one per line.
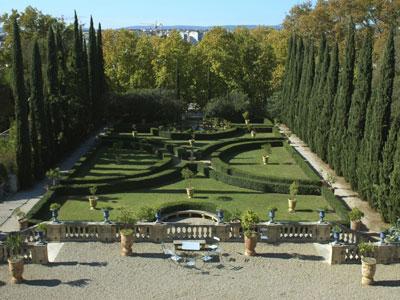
column 206, row 190
column 280, row 164
column 131, row 162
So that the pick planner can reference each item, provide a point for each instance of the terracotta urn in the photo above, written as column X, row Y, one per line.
column 190, row 192
column 292, row 205
column 368, row 269
column 265, row 159
column 16, row 268
column 250, row 243
column 126, row 242
column 93, row 202
column 355, row 225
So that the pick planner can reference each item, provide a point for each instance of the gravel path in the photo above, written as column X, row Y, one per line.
column 287, row 271
column 372, row 219
column 25, row 200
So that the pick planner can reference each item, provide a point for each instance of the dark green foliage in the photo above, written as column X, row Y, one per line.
column 342, row 105
column 328, row 94
column 39, row 127
column 93, row 73
column 358, row 110
column 23, row 147
column 229, row 107
column 336, row 203
column 295, row 81
column 100, row 62
column 392, row 204
column 378, row 124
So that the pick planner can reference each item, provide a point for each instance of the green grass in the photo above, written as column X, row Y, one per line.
column 280, row 164
column 206, row 190
column 132, row 162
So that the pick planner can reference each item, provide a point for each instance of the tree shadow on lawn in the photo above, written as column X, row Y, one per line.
column 244, row 164
column 291, row 256
column 113, row 169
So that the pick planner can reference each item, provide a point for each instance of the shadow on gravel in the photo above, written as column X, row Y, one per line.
column 78, row 283
column 2, row 283
column 43, row 282
column 150, row 255
column 291, row 256
column 388, row 283
column 74, row 263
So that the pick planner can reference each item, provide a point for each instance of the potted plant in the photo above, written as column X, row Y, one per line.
column 220, row 215
column 21, row 217
column 127, row 219
column 14, row 244
column 40, row 229
column 246, row 117
column 336, row 230
column 54, row 208
column 321, row 213
column 54, row 175
column 293, row 190
column 271, row 214
column 368, row 262
column 331, row 179
column 187, row 175
column 191, row 142
column 249, row 221
column 93, row 198
column 355, row 216
column 106, row 214
column 267, row 152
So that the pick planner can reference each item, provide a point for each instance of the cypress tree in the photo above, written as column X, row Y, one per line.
column 93, row 72
column 287, row 78
column 358, row 109
column 318, row 101
column 39, row 128
column 378, row 123
column 295, row 81
column 23, row 147
column 304, row 109
column 86, row 94
column 328, row 94
column 52, row 93
column 342, row 107
column 100, row 62
column 393, row 201
column 314, row 91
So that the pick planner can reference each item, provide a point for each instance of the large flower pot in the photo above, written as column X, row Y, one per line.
column 265, row 159
column 189, row 192
column 126, row 243
column 368, row 270
column 355, row 225
column 250, row 244
column 292, row 205
column 93, row 202
column 16, row 268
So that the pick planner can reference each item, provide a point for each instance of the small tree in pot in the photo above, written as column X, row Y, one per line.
column 54, row 175
column 54, row 208
column 187, row 175
column 267, row 152
column 93, row 198
column 14, row 244
column 246, row 117
column 368, row 262
column 40, row 230
column 249, row 221
column 126, row 217
column 355, row 216
column 293, row 190
column 21, row 217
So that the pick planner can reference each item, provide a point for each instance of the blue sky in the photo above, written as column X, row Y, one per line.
column 120, row 13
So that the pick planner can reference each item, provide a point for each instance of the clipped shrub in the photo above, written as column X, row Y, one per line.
column 146, row 213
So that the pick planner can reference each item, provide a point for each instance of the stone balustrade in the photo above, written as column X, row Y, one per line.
column 31, row 252
column 167, row 232
column 347, row 254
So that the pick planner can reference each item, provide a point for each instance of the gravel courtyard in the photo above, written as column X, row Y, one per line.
column 287, row 271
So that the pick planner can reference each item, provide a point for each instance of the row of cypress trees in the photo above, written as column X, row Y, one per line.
column 344, row 119
column 65, row 103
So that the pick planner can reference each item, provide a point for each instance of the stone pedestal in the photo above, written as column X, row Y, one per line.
column 106, row 233
column 323, row 232
column 40, row 254
column 158, row 232
column 222, row 232
column 55, row 232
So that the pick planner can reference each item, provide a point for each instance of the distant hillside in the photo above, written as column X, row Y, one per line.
column 199, row 28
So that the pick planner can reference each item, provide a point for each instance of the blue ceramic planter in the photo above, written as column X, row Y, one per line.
column 382, row 236
column 158, row 217
column 321, row 216
column 40, row 237
column 271, row 215
column 220, row 215
column 54, row 214
column 106, row 215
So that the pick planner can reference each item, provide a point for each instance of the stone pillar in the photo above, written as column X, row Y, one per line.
column 105, row 233
column 158, row 232
column 40, row 254
column 387, row 253
column 222, row 232
column 55, row 232
column 273, row 232
column 337, row 255
column 323, row 233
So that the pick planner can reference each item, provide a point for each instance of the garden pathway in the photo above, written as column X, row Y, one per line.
column 25, row 200
column 372, row 219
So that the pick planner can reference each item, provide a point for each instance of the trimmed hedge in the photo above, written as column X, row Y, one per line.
column 302, row 162
column 42, row 206
column 262, row 186
column 257, row 126
column 171, row 207
column 200, row 136
column 337, row 204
